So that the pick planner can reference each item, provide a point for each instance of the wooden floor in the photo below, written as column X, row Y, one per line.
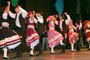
column 84, row 54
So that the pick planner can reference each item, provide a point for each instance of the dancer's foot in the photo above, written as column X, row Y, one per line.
column 31, row 55
column 5, row 57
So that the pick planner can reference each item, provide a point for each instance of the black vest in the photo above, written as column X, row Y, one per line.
column 64, row 27
column 22, row 22
column 39, row 28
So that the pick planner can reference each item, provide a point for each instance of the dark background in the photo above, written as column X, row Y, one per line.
column 78, row 9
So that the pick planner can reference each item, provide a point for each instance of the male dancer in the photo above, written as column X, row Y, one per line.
column 19, row 17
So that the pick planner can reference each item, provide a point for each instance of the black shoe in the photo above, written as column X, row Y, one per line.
column 5, row 58
column 88, row 48
column 31, row 55
column 52, row 53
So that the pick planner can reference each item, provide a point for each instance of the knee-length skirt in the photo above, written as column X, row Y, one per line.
column 32, row 38
column 72, row 36
column 54, row 38
column 9, row 38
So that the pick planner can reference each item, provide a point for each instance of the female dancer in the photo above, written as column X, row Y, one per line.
column 87, row 31
column 54, row 37
column 32, row 38
column 73, row 36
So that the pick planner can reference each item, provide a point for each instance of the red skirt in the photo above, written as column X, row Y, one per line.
column 88, row 36
column 31, row 36
column 72, row 36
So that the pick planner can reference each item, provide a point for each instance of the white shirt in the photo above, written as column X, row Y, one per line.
column 12, row 15
column 80, row 26
column 40, row 19
column 17, row 20
column 68, row 19
column 60, row 25
column 5, row 15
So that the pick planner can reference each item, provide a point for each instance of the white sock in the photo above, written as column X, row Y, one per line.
column 5, row 52
column 31, row 51
column 52, row 49
column 61, row 42
column 72, row 47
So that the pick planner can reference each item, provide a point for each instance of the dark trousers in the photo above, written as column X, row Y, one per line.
column 63, row 47
column 77, row 45
column 79, row 42
column 39, row 45
column 18, row 50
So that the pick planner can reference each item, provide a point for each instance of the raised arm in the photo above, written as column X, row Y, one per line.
column 24, row 12
column 40, row 19
column 12, row 15
column 68, row 18
column 5, row 14
column 80, row 26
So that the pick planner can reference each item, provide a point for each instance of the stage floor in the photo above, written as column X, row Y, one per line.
column 84, row 54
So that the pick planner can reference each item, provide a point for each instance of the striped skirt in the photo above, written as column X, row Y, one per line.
column 54, row 38
column 9, row 38
column 32, row 38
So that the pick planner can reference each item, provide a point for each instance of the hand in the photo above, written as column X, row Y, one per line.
column 8, row 2
column 39, row 14
column 80, row 21
column 65, row 13
column 34, row 12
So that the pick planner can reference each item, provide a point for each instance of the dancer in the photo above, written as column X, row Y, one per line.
column 32, row 38
column 9, row 38
column 73, row 36
column 39, row 29
column 87, row 31
column 19, row 17
column 78, row 27
column 54, row 37
column 63, row 28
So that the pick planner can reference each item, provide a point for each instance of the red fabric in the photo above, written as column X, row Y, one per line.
column 72, row 36
column 10, row 42
column 87, row 35
column 53, row 34
column 31, row 31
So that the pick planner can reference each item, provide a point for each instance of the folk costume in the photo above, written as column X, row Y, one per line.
column 32, row 37
column 54, row 38
column 9, row 38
